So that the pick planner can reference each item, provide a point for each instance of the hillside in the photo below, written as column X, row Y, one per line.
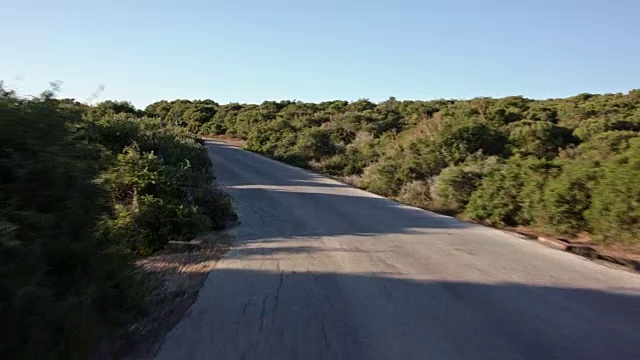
column 566, row 166
column 84, row 192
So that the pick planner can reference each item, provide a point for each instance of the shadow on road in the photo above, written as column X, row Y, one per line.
column 291, row 300
column 277, row 201
column 287, row 213
column 293, row 315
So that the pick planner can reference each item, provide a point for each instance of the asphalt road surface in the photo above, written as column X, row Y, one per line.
column 326, row 271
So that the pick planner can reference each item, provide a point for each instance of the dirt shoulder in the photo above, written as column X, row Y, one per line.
column 608, row 254
column 226, row 139
column 175, row 277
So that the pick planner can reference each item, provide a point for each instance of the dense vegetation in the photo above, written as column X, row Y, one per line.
column 83, row 191
column 569, row 166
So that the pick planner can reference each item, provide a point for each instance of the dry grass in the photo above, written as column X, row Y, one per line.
column 624, row 256
column 175, row 279
column 226, row 139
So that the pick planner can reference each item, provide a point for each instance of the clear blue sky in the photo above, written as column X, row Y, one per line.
column 255, row 50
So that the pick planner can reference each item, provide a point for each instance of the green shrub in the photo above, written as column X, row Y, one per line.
column 511, row 194
column 607, row 144
column 77, row 198
column 60, row 284
column 213, row 128
column 146, row 224
column 453, row 188
column 314, row 143
column 614, row 215
column 550, row 154
column 151, row 202
column 465, row 138
column 110, row 107
column 215, row 206
column 334, row 165
column 593, row 126
column 382, row 177
column 363, row 152
column 496, row 200
column 539, row 138
column 161, row 198
column 568, row 196
column 416, row 193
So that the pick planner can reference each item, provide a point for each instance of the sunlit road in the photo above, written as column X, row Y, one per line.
column 326, row 271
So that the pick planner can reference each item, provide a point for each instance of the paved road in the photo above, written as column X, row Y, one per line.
column 326, row 271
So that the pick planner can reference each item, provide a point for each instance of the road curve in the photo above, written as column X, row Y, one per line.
column 326, row 271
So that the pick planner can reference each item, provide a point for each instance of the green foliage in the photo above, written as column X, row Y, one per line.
column 593, row 126
column 452, row 189
column 509, row 161
column 59, row 282
column 568, row 196
column 615, row 211
column 383, row 177
column 539, row 138
column 417, row 193
column 314, row 143
column 512, row 193
column 82, row 189
column 464, row 138
column 159, row 184
column 110, row 107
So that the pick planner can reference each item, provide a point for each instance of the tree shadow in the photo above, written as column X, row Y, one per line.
column 278, row 201
column 268, row 298
column 286, row 213
column 222, row 154
column 249, row 314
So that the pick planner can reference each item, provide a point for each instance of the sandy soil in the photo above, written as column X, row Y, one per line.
column 175, row 275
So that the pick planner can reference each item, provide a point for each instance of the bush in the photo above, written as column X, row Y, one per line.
column 615, row 212
column 361, row 153
column 160, row 190
column 334, row 165
column 215, row 206
column 382, row 177
column 315, row 143
column 398, row 147
column 213, row 128
column 153, row 202
column 539, row 138
column 453, row 188
column 59, row 282
column 568, row 196
column 496, row 200
column 145, row 225
column 416, row 193
column 77, row 199
column 511, row 194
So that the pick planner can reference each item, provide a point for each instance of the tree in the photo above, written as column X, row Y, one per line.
column 539, row 138
column 315, row 143
column 615, row 212
column 110, row 107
